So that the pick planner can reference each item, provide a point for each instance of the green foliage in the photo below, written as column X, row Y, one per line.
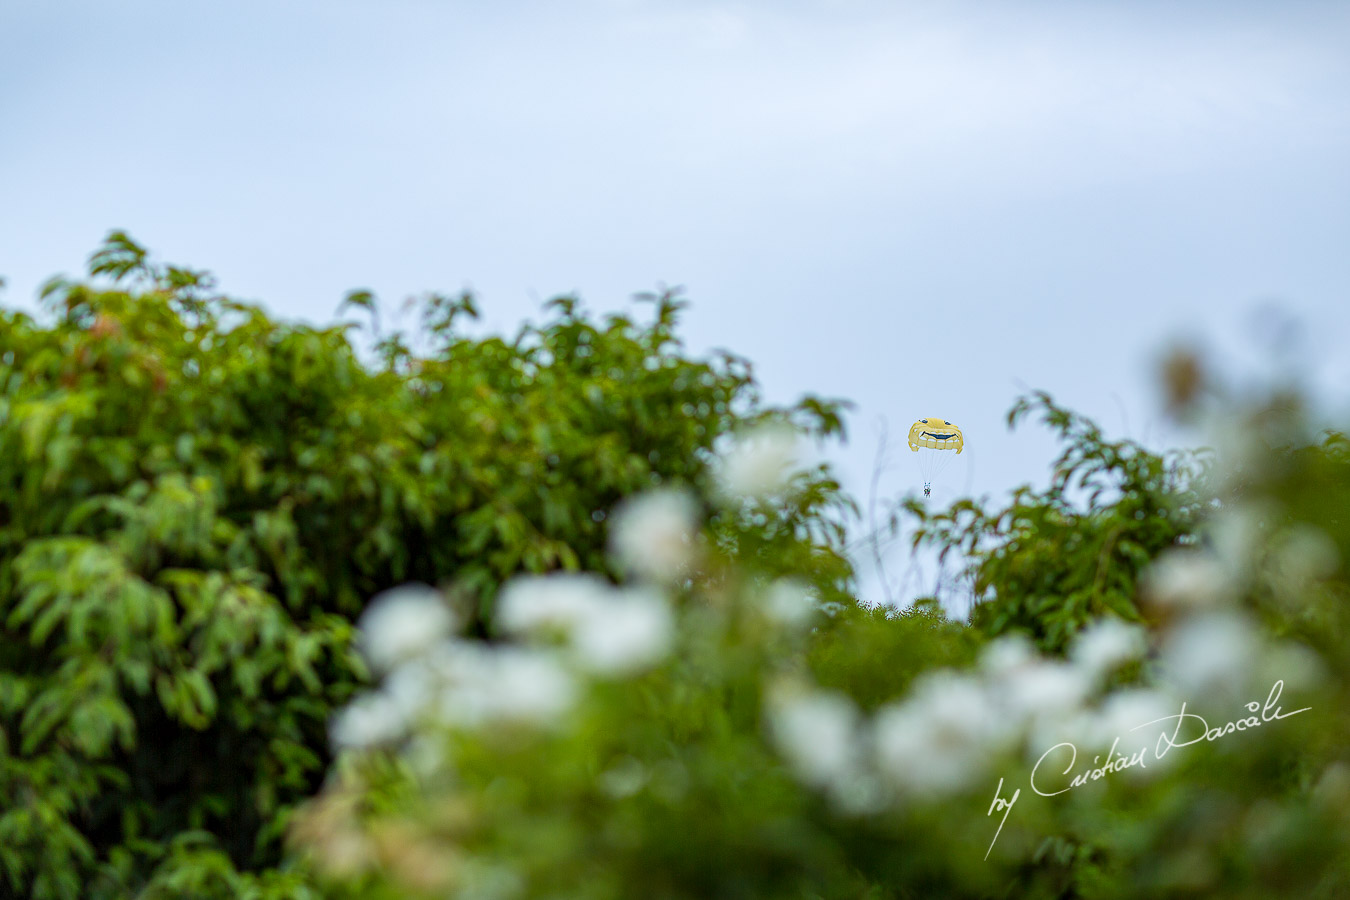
column 196, row 500
column 1053, row 560
column 873, row 654
column 1293, row 491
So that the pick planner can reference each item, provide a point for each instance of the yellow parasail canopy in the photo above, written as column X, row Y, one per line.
column 936, row 434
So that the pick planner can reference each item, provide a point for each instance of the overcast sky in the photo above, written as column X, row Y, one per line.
column 922, row 207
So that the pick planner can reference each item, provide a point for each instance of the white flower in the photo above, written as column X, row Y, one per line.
column 490, row 684
column 1029, row 693
column 817, row 732
column 1332, row 790
column 1300, row 668
column 1236, row 536
column 790, row 602
column 368, row 720
column 412, row 686
column 1211, row 654
column 426, row 753
column 941, row 738
column 1006, row 654
column 402, row 623
column 1127, row 714
column 652, row 535
column 1302, row 555
column 629, row 632
column 1182, row 579
column 469, row 684
column 608, row 631
column 624, row 779
column 1105, row 645
column 1045, row 689
column 525, row 684
column 759, row 462
column 542, row 602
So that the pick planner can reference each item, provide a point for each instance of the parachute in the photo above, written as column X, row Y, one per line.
column 937, row 442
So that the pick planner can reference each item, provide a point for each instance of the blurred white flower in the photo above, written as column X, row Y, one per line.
column 489, row 684
column 860, row 793
column 1006, row 654
column 485, row 877
column 653, row 534
column 630, row 631
column 758, row 463
column 402, row 623
column 1186, row 579
column 1032, row 695
column 559, row 601
column 1126, row 714
column 1211, row 656
column 368, row 720
column 624, row 779
column 1299, row 667
column 1044, row 690
column 1302, row 555
column 608, row 631
column 1082, row 728
column 818, row 733
column 1332, row 790
column 790, row 602
column 426, row 754
column 1236, row 536
column 412, row 686
column 525, row 684
column 1105, row 645
column 940, row 739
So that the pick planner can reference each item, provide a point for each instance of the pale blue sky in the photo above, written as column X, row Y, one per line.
column 917, row 206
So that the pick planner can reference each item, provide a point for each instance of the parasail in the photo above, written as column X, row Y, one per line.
column 937, row 442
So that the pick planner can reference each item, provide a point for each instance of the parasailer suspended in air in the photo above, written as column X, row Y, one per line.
column 937, row 442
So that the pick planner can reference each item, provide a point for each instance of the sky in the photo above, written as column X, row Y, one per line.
column 926, row 208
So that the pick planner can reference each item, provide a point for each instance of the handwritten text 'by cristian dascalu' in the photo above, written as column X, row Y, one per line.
column 1050, row 775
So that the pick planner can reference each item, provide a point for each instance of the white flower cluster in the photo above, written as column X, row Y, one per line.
column 945, row 734
column 790, row 602
column 433, row 677
column 606, row 630
column 407, row 635
column 1182, row 580
column 817, row 731
column 952, row 727
column 653, row 535
column 821, row 735
column 402, row 624
column 939, row 737
column 1212, row 652
column 1240, row 549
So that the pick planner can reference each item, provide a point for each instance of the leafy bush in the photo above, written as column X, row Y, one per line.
column 197, row 500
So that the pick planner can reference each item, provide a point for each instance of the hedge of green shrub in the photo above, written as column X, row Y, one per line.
column 197, row 500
